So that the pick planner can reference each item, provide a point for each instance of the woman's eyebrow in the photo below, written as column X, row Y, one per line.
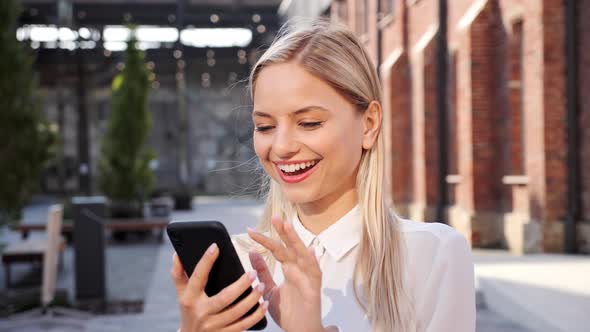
column 310, row 108
column 297, row 112
column 261, row 114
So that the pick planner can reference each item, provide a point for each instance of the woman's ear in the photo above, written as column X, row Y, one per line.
column 372, row 119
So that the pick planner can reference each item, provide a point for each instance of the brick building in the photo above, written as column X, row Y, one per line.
column 516, row 144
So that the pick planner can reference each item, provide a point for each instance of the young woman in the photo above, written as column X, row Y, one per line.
column 329, row 253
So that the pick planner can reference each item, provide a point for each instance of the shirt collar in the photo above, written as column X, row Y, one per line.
column 339, row 238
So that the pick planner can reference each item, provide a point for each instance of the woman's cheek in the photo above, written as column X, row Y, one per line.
column 260, row 148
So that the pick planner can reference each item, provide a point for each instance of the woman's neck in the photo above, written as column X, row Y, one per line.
column 319, row 215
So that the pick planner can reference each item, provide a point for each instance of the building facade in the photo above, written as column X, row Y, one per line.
column 508, row 164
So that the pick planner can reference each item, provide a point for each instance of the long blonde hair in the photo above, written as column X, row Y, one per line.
column 332, row 53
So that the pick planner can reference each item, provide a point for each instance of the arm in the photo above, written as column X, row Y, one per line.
column 448, row 303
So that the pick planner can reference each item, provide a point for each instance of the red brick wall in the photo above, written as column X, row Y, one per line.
column 507, row 107
column 584, row 105
column 514, row 126
column 452, row 121
column 425, row 120
column 464, row 189
column 555, row 109
column 422, row 15
column 533, row 106
column 478, row 74
column 397, row 82
column 394, row 33
column 486, row 51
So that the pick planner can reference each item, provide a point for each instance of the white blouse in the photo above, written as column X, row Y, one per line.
column 440, row 274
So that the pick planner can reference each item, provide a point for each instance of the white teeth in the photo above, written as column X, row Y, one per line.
column 295, row 167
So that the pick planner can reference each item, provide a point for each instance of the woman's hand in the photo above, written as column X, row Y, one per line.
column 296, row 304
column 200, row 312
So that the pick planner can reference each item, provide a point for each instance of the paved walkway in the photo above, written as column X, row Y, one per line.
column 544, row 292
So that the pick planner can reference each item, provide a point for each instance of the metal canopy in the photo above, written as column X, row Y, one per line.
column 231, row 13
column 195, row 13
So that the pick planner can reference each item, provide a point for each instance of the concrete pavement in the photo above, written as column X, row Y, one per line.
column 543, row 292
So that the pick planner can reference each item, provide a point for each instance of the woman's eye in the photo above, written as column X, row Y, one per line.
column 263, row 128
column 310, row 124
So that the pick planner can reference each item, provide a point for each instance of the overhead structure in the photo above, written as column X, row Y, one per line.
column 98, row 28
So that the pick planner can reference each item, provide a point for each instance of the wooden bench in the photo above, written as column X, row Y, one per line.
column 131, row 224
column 37, row 250
column 139, row 224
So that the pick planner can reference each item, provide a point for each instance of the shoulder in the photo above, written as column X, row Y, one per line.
column 429, row 245
column 242, row 244
column 433, row 233
column 240, row 241
column 440, row 271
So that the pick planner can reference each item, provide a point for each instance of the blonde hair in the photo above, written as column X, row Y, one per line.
column 332, row 53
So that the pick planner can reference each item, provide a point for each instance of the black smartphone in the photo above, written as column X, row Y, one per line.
column 192, row 238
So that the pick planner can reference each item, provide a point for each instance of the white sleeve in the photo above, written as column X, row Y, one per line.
column 238, row 242
column 449, row 298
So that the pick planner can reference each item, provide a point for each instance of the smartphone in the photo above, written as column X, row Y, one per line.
column 191, row 239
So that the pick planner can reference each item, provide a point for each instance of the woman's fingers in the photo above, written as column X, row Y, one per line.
column 293, row 241
column 295, row 250
column 239, row 309
column 178, row 275
column 264, row 274
column 229, row 294
column 275, row 247
column 278, row 225
column 249, row 321
column 200, row 275
column 306, row 258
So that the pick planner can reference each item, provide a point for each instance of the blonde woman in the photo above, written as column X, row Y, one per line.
column 329, row 253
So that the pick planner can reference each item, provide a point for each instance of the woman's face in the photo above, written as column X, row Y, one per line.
column 307, row 136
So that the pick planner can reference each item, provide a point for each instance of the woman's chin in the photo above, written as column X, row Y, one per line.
column 299, row 197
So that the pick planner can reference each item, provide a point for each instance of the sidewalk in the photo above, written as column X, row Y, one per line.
column 541, row 292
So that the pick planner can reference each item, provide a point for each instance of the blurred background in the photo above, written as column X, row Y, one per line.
column 118, row 116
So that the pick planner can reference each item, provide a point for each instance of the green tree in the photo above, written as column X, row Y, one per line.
column 26, row 141
column 125, row 176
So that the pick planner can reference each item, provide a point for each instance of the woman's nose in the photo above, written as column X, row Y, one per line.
column 285, row 143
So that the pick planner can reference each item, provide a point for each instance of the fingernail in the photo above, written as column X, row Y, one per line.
column 252, row 230
column 252, row 275
column 265, row 305
column 260, row 287
column 212, row 248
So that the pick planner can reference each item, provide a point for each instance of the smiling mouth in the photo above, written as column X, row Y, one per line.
column 297, row 169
